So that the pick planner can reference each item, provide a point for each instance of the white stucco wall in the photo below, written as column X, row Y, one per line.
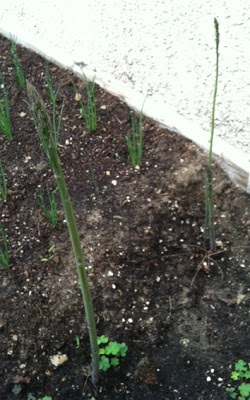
column 165, row 48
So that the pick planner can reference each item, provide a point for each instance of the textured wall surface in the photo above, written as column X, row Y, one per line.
column 165, row 48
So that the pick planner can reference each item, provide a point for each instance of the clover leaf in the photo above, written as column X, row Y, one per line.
column 123, row 349
column 244, row 389
column 240, row 366
column 114, row 361
column 113, row 348
column 104, row 363
column 102, row 339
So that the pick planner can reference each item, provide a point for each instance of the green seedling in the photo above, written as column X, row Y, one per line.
column 51, row 212
column 3, row 184
column 89, row 112
column 4, row 111
column 16, row 389
column 45, row 133
column 18, row 66
column 4, row 257
column 32, row 397
column 53, row 97
column 241, row 375
column 110, row 352
column 77, row 342
column 50, row 254
column 134, row 139
column 46, row 398
column 209, row 208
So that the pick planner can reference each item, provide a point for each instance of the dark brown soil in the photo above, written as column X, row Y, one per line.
column 141, row 231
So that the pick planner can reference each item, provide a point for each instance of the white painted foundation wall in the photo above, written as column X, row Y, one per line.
column 163, row 48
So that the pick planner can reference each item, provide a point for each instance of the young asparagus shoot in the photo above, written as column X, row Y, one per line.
column 209, row 207
column 4, row 257
column 44, row 128
column 92, row 174
column 88, row 112
column 3, row 184
column 4, row 111
column 51, row 212
column 53, row 97
column 134, row 139
column 18, row 66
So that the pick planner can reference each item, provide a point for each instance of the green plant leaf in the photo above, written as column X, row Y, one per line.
column 232, row 393
column 113, row 348
column 240, row 366
column 102, row 339
column 104, row 363
column 244, row 389
column 16, row 389
column 114, row 361
column 77, row 342
column 235, row 375
column 123, row 349
column 31, row 397
column 247, row 374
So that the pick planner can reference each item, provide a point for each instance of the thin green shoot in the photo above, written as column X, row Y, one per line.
column 4, row 111
column 4, row 257
column 89, row 112
column 3, row 184
column 18, row 66
column 209, row 207
column 51, row 212
column 44, row 129
column 77, row 342
column 53, row 97
column 134, row 139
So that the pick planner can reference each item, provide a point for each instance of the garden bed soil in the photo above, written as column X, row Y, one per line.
column 185, row 320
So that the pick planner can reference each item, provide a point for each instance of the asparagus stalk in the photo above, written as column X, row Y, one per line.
column 45, row 133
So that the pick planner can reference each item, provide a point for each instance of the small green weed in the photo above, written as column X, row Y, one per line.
column 32, row 397
column 3, row 184
column 88, row 112
column 110, row 352
column 16, row 389
column 4, row 257
column 51, row 212
column 18, row 66
column 56, row 125
column 77, row 342
column 241, row 375
column 4, row 111
column 50, row 254
column 134, row 139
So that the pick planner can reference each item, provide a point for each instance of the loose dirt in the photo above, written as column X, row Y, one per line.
column 185, row 319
